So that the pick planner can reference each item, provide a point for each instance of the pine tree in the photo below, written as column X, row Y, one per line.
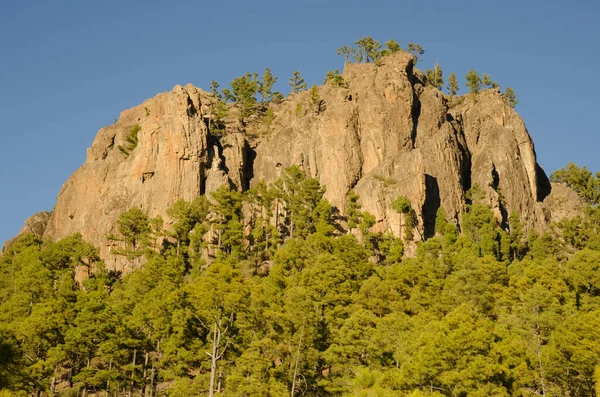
column 334, row 78
column 243, row 94
column 368, row 50
column 415, row 50
column 453, row 85
column 581, row 180
column 474, row 83
column 511, row 97
column 218, row 111
column 346, row 52
column 214, row 90
column 265, row 86
column 133, row 228
column 131, row 139
column 488, row 82
column 435, row 77
column 403, row 206
column 315, row 99
column 393, row 46
column 297, row 82
column 218, row 296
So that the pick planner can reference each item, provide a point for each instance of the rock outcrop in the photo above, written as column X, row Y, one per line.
column 35, row 224
column 386, row 133
column 390, row 133
column 175, row 158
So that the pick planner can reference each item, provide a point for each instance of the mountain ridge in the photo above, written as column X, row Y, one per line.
column 385, row 133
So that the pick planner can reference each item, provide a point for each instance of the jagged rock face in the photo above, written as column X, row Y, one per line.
column 386, row 134
column 174, row 158
column 389, row 134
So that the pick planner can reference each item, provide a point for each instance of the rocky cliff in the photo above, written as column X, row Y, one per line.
column 386, row 133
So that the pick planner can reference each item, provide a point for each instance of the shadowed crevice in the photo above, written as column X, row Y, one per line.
column 544, row 187
column 248, row 170
column 430, row 205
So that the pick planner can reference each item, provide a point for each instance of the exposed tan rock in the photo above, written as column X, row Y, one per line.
column 387, row 133
column 562, row 203
column 174, row 158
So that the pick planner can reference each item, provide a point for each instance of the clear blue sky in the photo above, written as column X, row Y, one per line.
column 68, row 68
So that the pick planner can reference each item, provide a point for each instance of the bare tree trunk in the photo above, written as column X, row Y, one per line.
column 213, row 363
column 219, row 241
column 400, row 225
column 145, row 376
column 297, row 359
column 277, row 214
column 539, row 356
column 53, row 383
column 132, row 373
column 220, row 380
column 152, row 380
column 108, row 381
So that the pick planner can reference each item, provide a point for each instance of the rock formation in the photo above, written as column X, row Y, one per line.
column 35, row 224
column 386, row 133
column 174, row 158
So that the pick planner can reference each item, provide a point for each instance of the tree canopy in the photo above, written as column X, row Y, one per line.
column 264, row 292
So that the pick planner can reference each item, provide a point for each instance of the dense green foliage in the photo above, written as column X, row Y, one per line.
column 259, row 294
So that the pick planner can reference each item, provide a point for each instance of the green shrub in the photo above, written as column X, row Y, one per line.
column 131, row 139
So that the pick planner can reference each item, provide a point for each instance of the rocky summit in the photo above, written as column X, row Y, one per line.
column 384, row 133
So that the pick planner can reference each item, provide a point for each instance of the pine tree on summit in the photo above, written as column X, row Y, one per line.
column 511, row 97
column 415, row 50
column 265, row 86
column 488, row 82
column 453, row 85
column 368, row 50
column 474, row 83
column 297, row 82
column 346, row 52
column 435, row 77
column 393, row 46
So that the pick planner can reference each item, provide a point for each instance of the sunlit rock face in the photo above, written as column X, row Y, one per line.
column 387, row 133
